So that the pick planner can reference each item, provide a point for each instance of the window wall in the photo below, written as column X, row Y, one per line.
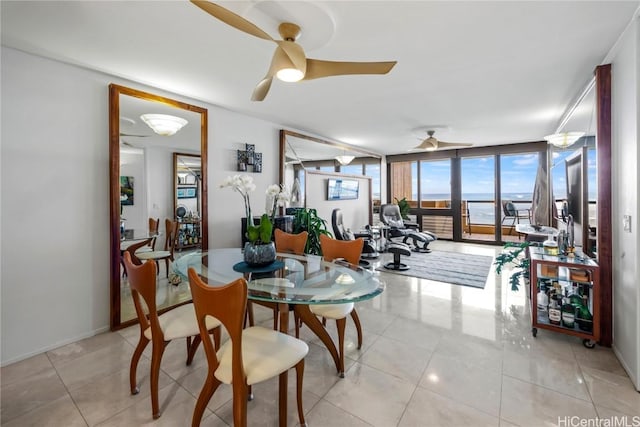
column 458, row 194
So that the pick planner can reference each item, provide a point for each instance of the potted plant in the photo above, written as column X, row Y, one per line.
column 308, row 220
column 514, row 254
column 403, row 204
column 259, row 249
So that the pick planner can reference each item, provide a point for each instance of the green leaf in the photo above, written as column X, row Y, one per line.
column 253, row 233
column 265, row 228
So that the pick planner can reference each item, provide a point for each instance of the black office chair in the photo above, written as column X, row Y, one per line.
column 341, row 233
column 398, row 227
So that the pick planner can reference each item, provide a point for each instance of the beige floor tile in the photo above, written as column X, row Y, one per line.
column 176, row 410
column 373, row 396
column 21, row 397
column 527, row 404
column 414, row 332
column 350, row 339
column 80, row 348
column 485, row 354
column 95, row 365
column 459, row 379
column 612, row 391
column 622, row 418
column 21, row 371
column 547, row 344
column 263, row 409
column 402, row 360
column 600, row 358
column 427, row 408
column 100, row 399
column 325, row 414
column 504, row 423
column 373, row 320
column 557, row 374
column 193, row 383
column 60, row 412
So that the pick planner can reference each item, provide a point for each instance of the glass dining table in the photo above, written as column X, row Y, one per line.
column 292, row 281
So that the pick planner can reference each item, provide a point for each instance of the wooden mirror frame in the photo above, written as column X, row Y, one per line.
column 114, row 186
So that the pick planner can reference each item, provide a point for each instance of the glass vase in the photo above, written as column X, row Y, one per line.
column 259, row 255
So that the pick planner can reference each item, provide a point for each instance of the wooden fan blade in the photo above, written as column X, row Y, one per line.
column 453, row 144
column 261, row 90
column 317, row 68
column 295, row 53
column 232, row 19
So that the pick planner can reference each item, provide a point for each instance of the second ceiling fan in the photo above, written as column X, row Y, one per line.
column 432, row 143
column 289, row 62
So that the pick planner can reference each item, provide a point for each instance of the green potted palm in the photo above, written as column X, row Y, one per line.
column 514, row 254
column 308, row 220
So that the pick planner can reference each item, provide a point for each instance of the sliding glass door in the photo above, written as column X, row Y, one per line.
column 478, row 185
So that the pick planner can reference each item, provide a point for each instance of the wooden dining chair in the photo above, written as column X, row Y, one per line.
column 160, row 329
column 350, row 251
column 169, row 247
column 250, row 356
column 287, row 243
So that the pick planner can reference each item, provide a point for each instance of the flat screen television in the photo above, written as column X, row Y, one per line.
column 342, row 189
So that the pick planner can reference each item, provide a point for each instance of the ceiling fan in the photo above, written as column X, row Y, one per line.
column 289, row 62
column 433, row 144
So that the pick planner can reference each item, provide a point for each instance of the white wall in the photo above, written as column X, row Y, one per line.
column 159, row 167
column 355, row 213
column 55, row 204
column 625, row 97
column 132, row 164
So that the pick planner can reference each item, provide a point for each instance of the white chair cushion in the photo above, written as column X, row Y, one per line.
column 332, row 311
column 153, row 255
column 265, row 353
column 181, row 322
column 144, row 249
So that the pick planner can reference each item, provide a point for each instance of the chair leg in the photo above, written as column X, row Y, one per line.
column 166, row 266
column 275, row 318
column 250, row 313
column 192, row 347
column 356, row 320
column 209, row 387
column 297, row 322
column 156, row 358
column 341, row 323
column 142, row 344
column 282, row 398
column 299, row 377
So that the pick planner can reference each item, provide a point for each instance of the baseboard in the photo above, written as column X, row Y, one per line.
column 635, row 380
column 54, row 346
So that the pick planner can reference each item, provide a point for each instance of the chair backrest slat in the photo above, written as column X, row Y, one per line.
column 290, row 243
column 142, row 280
column 227, row 304
column 350, row 250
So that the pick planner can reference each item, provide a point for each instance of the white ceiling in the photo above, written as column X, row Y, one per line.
column 492, row 72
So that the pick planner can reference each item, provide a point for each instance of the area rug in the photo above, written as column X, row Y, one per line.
column 448, row 267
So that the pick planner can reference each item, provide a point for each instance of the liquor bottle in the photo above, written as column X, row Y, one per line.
column 568, row 314
column 554, row 311
column 584, row 319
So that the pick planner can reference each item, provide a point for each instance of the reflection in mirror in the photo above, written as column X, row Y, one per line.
column 302, row 152
column 155, row 171
column 574, row 175
column 187, row 201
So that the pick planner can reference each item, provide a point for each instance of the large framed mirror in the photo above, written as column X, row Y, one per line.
column 154, row 171
column 299, row 153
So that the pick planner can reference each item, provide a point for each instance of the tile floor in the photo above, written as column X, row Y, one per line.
column 433, row 355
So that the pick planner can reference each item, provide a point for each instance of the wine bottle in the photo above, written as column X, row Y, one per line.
column 568, row 314
column 554, row 311
column 584, row 319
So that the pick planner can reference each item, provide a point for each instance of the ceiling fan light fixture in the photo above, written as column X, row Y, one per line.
column 345, row 159
column 563, row 139
column 290, row 75
column 164, row 124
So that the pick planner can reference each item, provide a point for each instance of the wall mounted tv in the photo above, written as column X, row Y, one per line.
column 342, row 189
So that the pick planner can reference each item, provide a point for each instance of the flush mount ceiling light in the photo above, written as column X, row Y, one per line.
column 164, row 124
column 563, row 139
column 344, row 159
